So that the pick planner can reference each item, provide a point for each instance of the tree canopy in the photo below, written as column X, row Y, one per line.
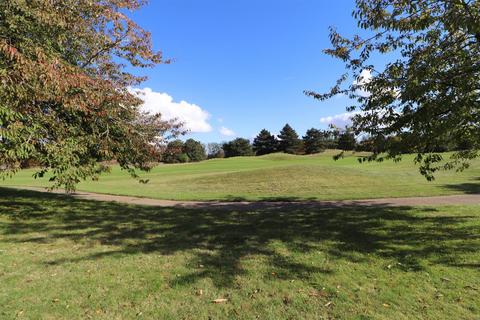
column 174, row 152
column 65, row 98
column 264, row 143
column 346, row 140
column 238, row 147
column 289, row 141
column 315, row 141
column 429, row 91
column 194, row 150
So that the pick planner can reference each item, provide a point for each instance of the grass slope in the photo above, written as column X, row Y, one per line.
column 277, row 176
column 62, row 258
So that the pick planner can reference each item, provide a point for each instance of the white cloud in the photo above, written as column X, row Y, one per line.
column 226, row 132
column 364, row 78
column 339, row 120
column 194, row 118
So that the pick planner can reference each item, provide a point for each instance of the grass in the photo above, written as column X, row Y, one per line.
column 278, row 176
column 62, row 258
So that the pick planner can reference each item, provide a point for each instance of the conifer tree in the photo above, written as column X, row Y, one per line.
column 314, row 141
column 289, row 141
column 264, row 143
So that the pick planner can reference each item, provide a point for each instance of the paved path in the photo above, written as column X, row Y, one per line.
column 462, row 199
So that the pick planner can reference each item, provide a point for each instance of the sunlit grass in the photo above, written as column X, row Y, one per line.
column 278, row 176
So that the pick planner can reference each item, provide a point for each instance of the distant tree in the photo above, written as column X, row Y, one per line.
column 315, row 141
column 346, row 140
column 238, row 147
column 372, row 144
column 182, row 158
column 215, row 150
column 332, row 138
column 264, row 143
column 174, row 152
column 194, row 150
column 289, row 141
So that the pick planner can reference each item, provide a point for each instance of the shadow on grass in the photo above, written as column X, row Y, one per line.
column 232, row 198
column 219, row 238
column 466, row 187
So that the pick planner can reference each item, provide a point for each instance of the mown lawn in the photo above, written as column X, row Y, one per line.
column 62, row 258
column 278, row 176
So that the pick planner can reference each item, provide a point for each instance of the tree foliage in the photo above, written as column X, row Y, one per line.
column 194, row 150
column 264, row 143
column 65, row 100
column 430, row 87
column 174, row 152
column 315, row 141
column 289, row 141
column 238, row 147
column 346, row 140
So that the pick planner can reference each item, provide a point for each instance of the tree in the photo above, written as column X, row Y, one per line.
column 314, row 141
column 238, row 147
column 174, row 153
column 289, row 141
column 194, row 150
column 427, row 90
column 65, row 101
column 215, row 150
column 372, row 144
column 346, row 140
column 264, row 143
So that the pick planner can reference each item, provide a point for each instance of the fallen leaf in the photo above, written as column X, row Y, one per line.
column 317, row 294
column 199, row 292
column 287, row 300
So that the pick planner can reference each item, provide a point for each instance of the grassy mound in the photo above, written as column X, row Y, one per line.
column 278, row 176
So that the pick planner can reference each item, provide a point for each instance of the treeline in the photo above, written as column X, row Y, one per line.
column 288, row 141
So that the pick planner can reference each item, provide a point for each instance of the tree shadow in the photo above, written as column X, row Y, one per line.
column 232, row 198
column 219, row 237
column 466, row 187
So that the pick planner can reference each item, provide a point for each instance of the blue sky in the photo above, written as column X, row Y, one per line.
column 245, row 63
